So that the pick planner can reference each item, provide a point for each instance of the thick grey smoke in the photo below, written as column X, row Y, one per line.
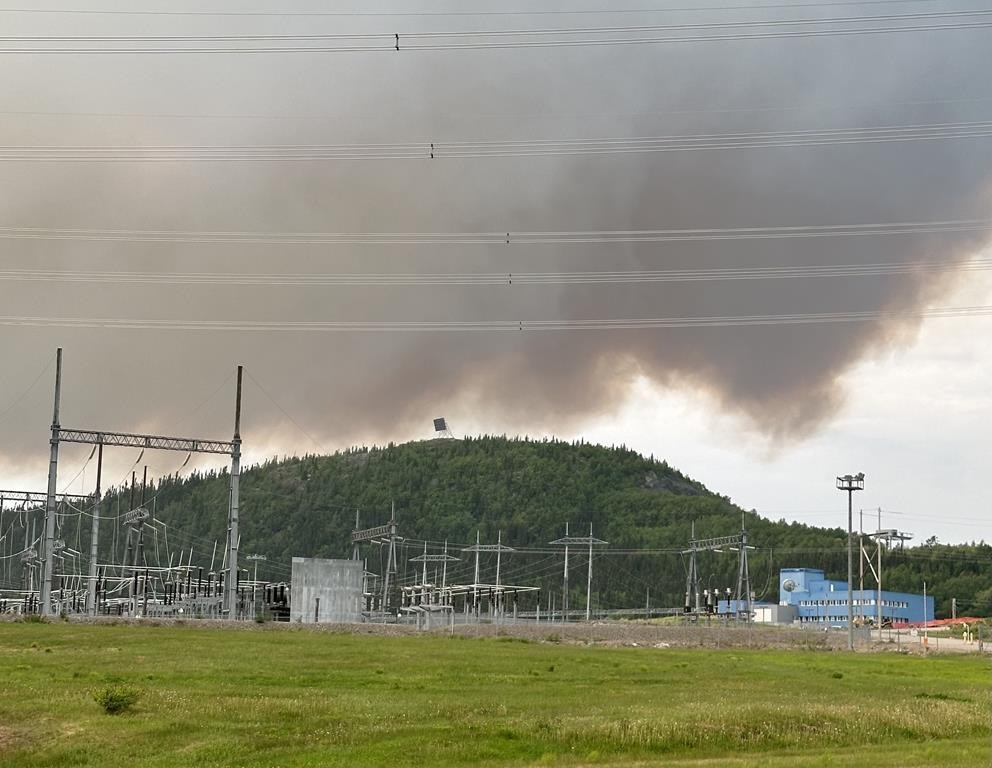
column 345, row 388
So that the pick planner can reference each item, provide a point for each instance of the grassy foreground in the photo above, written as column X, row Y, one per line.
column 279, row 697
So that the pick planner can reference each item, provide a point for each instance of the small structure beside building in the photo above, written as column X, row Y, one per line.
column 326, row 591
column 775, row 614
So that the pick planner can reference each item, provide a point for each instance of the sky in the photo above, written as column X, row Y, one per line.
column 858, row 164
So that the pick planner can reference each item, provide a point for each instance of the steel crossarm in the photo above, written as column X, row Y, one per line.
column 370, row 534
column 157, row 442
column 702, row 545
column 39, row 497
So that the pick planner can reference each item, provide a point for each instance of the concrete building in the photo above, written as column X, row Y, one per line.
column 822, row 601
column 326, row 591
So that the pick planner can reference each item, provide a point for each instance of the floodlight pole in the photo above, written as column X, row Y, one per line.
column 850, row 484
column 48, row 561
column 231, row 598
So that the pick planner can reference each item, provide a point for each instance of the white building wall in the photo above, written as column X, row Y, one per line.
column 326, row 591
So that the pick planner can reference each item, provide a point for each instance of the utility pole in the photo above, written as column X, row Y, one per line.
column 382, row 535
column 155, row 442
column 499, row 548
column 356, row 552
column 564, row 596
column 390, row 559
column 850, row 484
column 254, row 583
column 475, row 578
column 233, row 537
column 591, row 541
column 91, row 601
column 692, row 578
column 48, row 557
column 879, row 554
column 861, row 565
column 499, row 560
column 743, row 576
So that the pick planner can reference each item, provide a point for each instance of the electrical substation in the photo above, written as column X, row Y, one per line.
column 50, row 564
column 45, row 538
column 53, row 581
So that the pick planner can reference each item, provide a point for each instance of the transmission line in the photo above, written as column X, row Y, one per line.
column 395, row 326
column 821, row 106
column 315, row 14
column 497, row 33
column 501, row 238
column 496, row 39
column 426, row 150
column 493, row 278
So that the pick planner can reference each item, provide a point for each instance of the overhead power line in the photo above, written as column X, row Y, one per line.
column 364, row 14
column 500, row 238
column 498, row 39
column 426, row 150
column 557, row 115
column 525, row 32
column 490, row 278
column 489, row 326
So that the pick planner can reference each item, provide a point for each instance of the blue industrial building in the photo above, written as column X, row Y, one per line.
column 818, row 600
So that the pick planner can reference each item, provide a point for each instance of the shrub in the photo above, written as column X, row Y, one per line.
column 115, row 699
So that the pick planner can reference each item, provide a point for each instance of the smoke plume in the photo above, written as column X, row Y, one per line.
column 345, row 387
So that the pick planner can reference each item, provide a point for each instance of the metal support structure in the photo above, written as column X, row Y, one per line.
column 33, row 502
column 499, row 548
column 426, row 558
column 126, row 439
column 233, row 536
column 147, row 442
column 356, row 552
column 91, row 601
column 861, row 567
column 743, row 595
column 880, row 536
column 48, row 551
column 255, row 558
column 850, row 484
column 390, row 558
column 692, row 578
column 564, row 588
column 591, row 542
column 380, row 534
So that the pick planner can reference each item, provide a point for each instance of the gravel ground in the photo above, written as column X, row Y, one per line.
column 605, row 633
column 614, row 634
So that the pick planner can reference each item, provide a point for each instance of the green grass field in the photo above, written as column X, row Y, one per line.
column 279, row 697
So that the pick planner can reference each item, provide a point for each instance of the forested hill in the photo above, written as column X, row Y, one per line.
column 446, row 490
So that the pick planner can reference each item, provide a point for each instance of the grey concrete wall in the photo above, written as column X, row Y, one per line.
column 326, row 591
